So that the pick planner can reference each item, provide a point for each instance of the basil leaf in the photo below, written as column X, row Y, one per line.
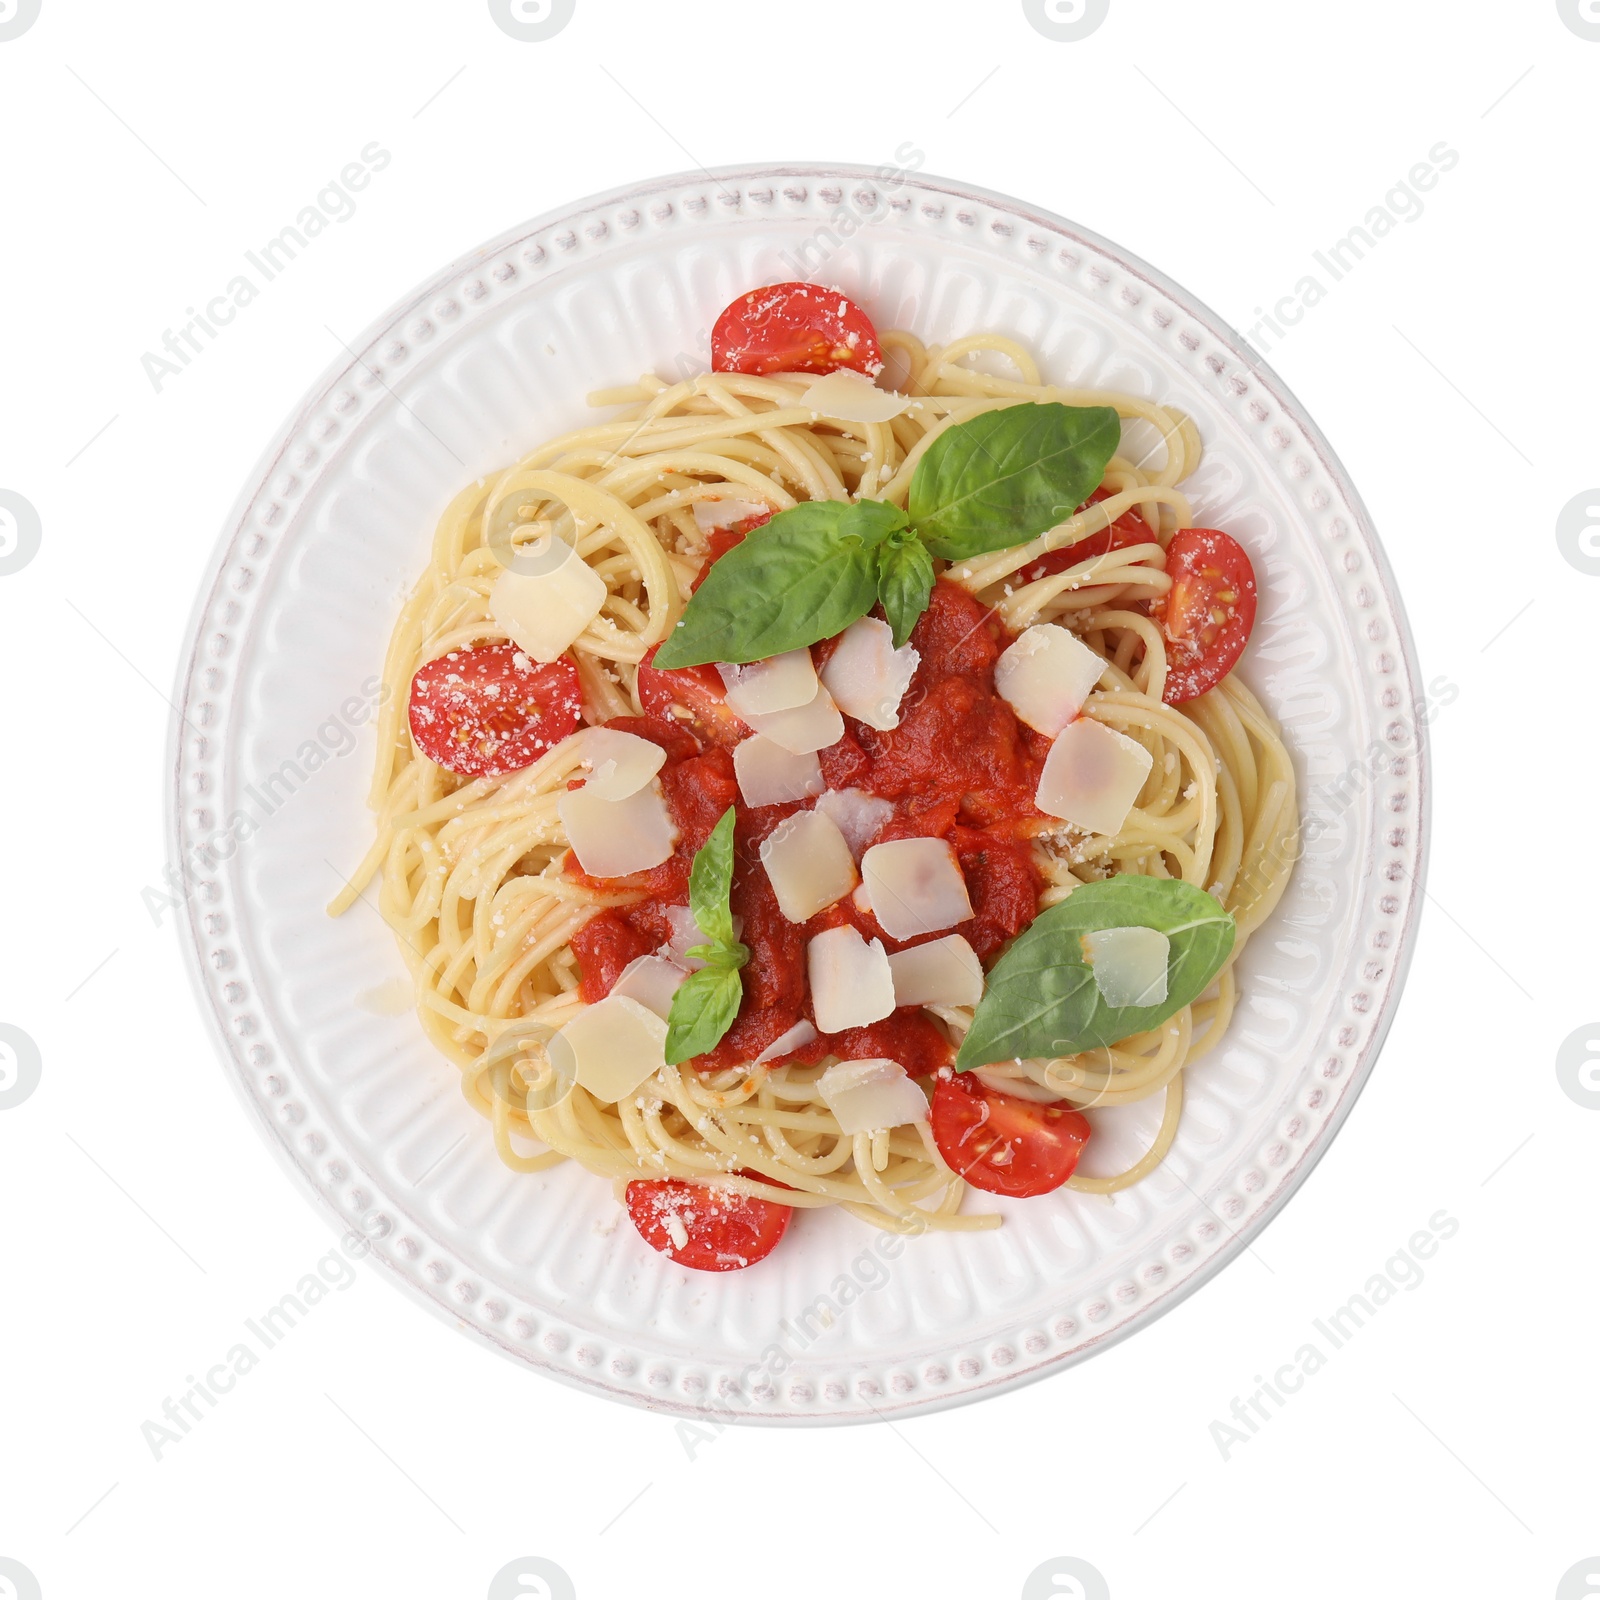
column 905, row 580
column 1004, row 477
column 703, row 1009
column 1041, row 998
column 807, row 575
column 711, row 882
column 706, row 1002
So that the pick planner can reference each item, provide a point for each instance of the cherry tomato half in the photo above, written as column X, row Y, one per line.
column 1208, row 613
column 710, row 1229
column 794, row 327
column 1003, row 1143
column 692, row 698
column 490, row 710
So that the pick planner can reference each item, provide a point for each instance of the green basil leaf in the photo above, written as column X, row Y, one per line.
column 703, row 1009
column 807, row 575
column 1004, row 477
column 1041, row 999
column 707, row 1001
column 905, row 580
column 711, row 882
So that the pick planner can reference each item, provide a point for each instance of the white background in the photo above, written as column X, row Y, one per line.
column 1443, row 1450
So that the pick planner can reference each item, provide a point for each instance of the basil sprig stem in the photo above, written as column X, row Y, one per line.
column 999, row 479
column 707, row 1001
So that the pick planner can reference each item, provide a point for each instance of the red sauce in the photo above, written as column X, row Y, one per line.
column 958, row 767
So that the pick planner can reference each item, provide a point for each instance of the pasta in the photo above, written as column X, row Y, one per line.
column 471, row 870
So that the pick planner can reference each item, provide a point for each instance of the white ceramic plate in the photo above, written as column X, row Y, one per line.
column 496, row 354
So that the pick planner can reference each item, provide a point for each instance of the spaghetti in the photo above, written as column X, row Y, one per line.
column 473, row 871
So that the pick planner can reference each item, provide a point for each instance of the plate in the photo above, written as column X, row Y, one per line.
column 270, row 761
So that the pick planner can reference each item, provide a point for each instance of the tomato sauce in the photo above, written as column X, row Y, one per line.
column 958, row 767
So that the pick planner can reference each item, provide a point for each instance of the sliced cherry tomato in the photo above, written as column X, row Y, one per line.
column 489, row 710
column 1208, row 613
column 795, row 327
column 1129, row 529
column 1003, row 1143
column 692, row 697
column 710, row 1229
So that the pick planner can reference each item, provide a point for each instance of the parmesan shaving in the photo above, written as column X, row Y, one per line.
column 712, row 514
column 865, row 1096
column 808, row 864
column 915, row 886
column 611, row 1047
column 803, row 729
column 796, row 1038
column 850, row 397
column 1092, row 777
column 1046, row 675
column 1129, row 964
column 652, row 981
column 612, row 838
column 867, row 676
column 780, row 683
column 619, row 764
column 769, row 775
column 943, row 972
column 545, row 611
column 851, row 984
column 859, row 815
